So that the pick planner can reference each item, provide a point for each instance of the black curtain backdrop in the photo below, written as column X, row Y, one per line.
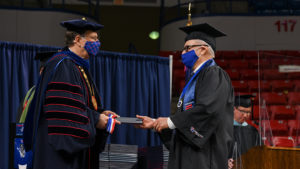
column 129, row 84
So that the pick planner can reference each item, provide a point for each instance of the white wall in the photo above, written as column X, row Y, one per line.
column 37, row 27
column 243, row 33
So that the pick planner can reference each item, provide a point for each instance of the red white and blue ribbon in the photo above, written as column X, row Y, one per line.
column 111, row 123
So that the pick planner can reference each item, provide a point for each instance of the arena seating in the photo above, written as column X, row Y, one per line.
column 274, row 98
column 294, row 98
column 256, row 86
column 294, row 127
column 278, row 127
column 282, row 112
column 282, row 86
column 283, row 141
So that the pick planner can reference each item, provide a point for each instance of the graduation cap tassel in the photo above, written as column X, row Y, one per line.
column 189, row 23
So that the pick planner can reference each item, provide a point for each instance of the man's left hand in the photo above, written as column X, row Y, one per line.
column 160, row 124
column 108, row 112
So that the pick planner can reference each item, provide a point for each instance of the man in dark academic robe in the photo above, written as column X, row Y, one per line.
column 245, row 136
column 66, row 125
column 199, row 134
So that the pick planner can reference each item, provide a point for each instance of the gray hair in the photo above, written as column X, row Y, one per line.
column 210, row 50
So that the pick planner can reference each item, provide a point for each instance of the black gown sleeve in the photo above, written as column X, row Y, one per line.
column 213, row 92
column 166, row 137
column 71, row 123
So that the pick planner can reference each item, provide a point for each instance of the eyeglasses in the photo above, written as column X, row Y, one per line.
column 243, row 111
column 90, row 38
column 189, row 47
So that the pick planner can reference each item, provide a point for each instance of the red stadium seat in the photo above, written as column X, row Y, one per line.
column 292, row 53
column 249, row 74
column 282, row 85
column 177, row 64
column 240, row 86
column 297, row 85
column 294, row 127
column 282, row 112
column 178, row 74
column 293, row 75
column 297, row 140
column 294, row 60
column 233, row 74
column 294, row 98
column 265, row 86
column 178, row 78
column 222, row 63
column 238, row 64
column 231, row 55
column 257, row 112
column 274, row 98
column 249, row 54
column 283, row 141
column 263, row 64
column 272, row 74
column 267, row 141
column 278, row 127
column 276, row 62
column 272, row 54
column 297, row 108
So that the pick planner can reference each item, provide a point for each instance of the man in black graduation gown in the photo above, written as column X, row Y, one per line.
column 199, row 134
column 65, row 125
column 245, row 136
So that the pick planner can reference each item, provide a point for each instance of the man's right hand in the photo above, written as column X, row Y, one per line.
column 102, row 122
column 147, row 122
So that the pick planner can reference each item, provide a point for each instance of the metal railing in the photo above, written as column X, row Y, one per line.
column 88, row 8
column 228, row 7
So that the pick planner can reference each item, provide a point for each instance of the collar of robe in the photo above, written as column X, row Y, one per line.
column 79, row 60
column 235, row 123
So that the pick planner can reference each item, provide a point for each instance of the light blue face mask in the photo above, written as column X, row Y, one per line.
column 189, row 59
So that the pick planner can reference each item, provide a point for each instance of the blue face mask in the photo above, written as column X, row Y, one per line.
column 92, row 48
column 189, row 59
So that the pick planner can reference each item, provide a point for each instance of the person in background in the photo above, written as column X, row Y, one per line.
column 23, row 108
column 245, row 135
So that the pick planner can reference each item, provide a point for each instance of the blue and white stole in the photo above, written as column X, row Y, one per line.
column 187, row 97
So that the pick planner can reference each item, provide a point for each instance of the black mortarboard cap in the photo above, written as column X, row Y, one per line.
column 81, row 25
column 204, row 32
column 44, row 56
column 243, row 100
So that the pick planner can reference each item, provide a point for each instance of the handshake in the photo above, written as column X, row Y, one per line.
column 109, row 118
